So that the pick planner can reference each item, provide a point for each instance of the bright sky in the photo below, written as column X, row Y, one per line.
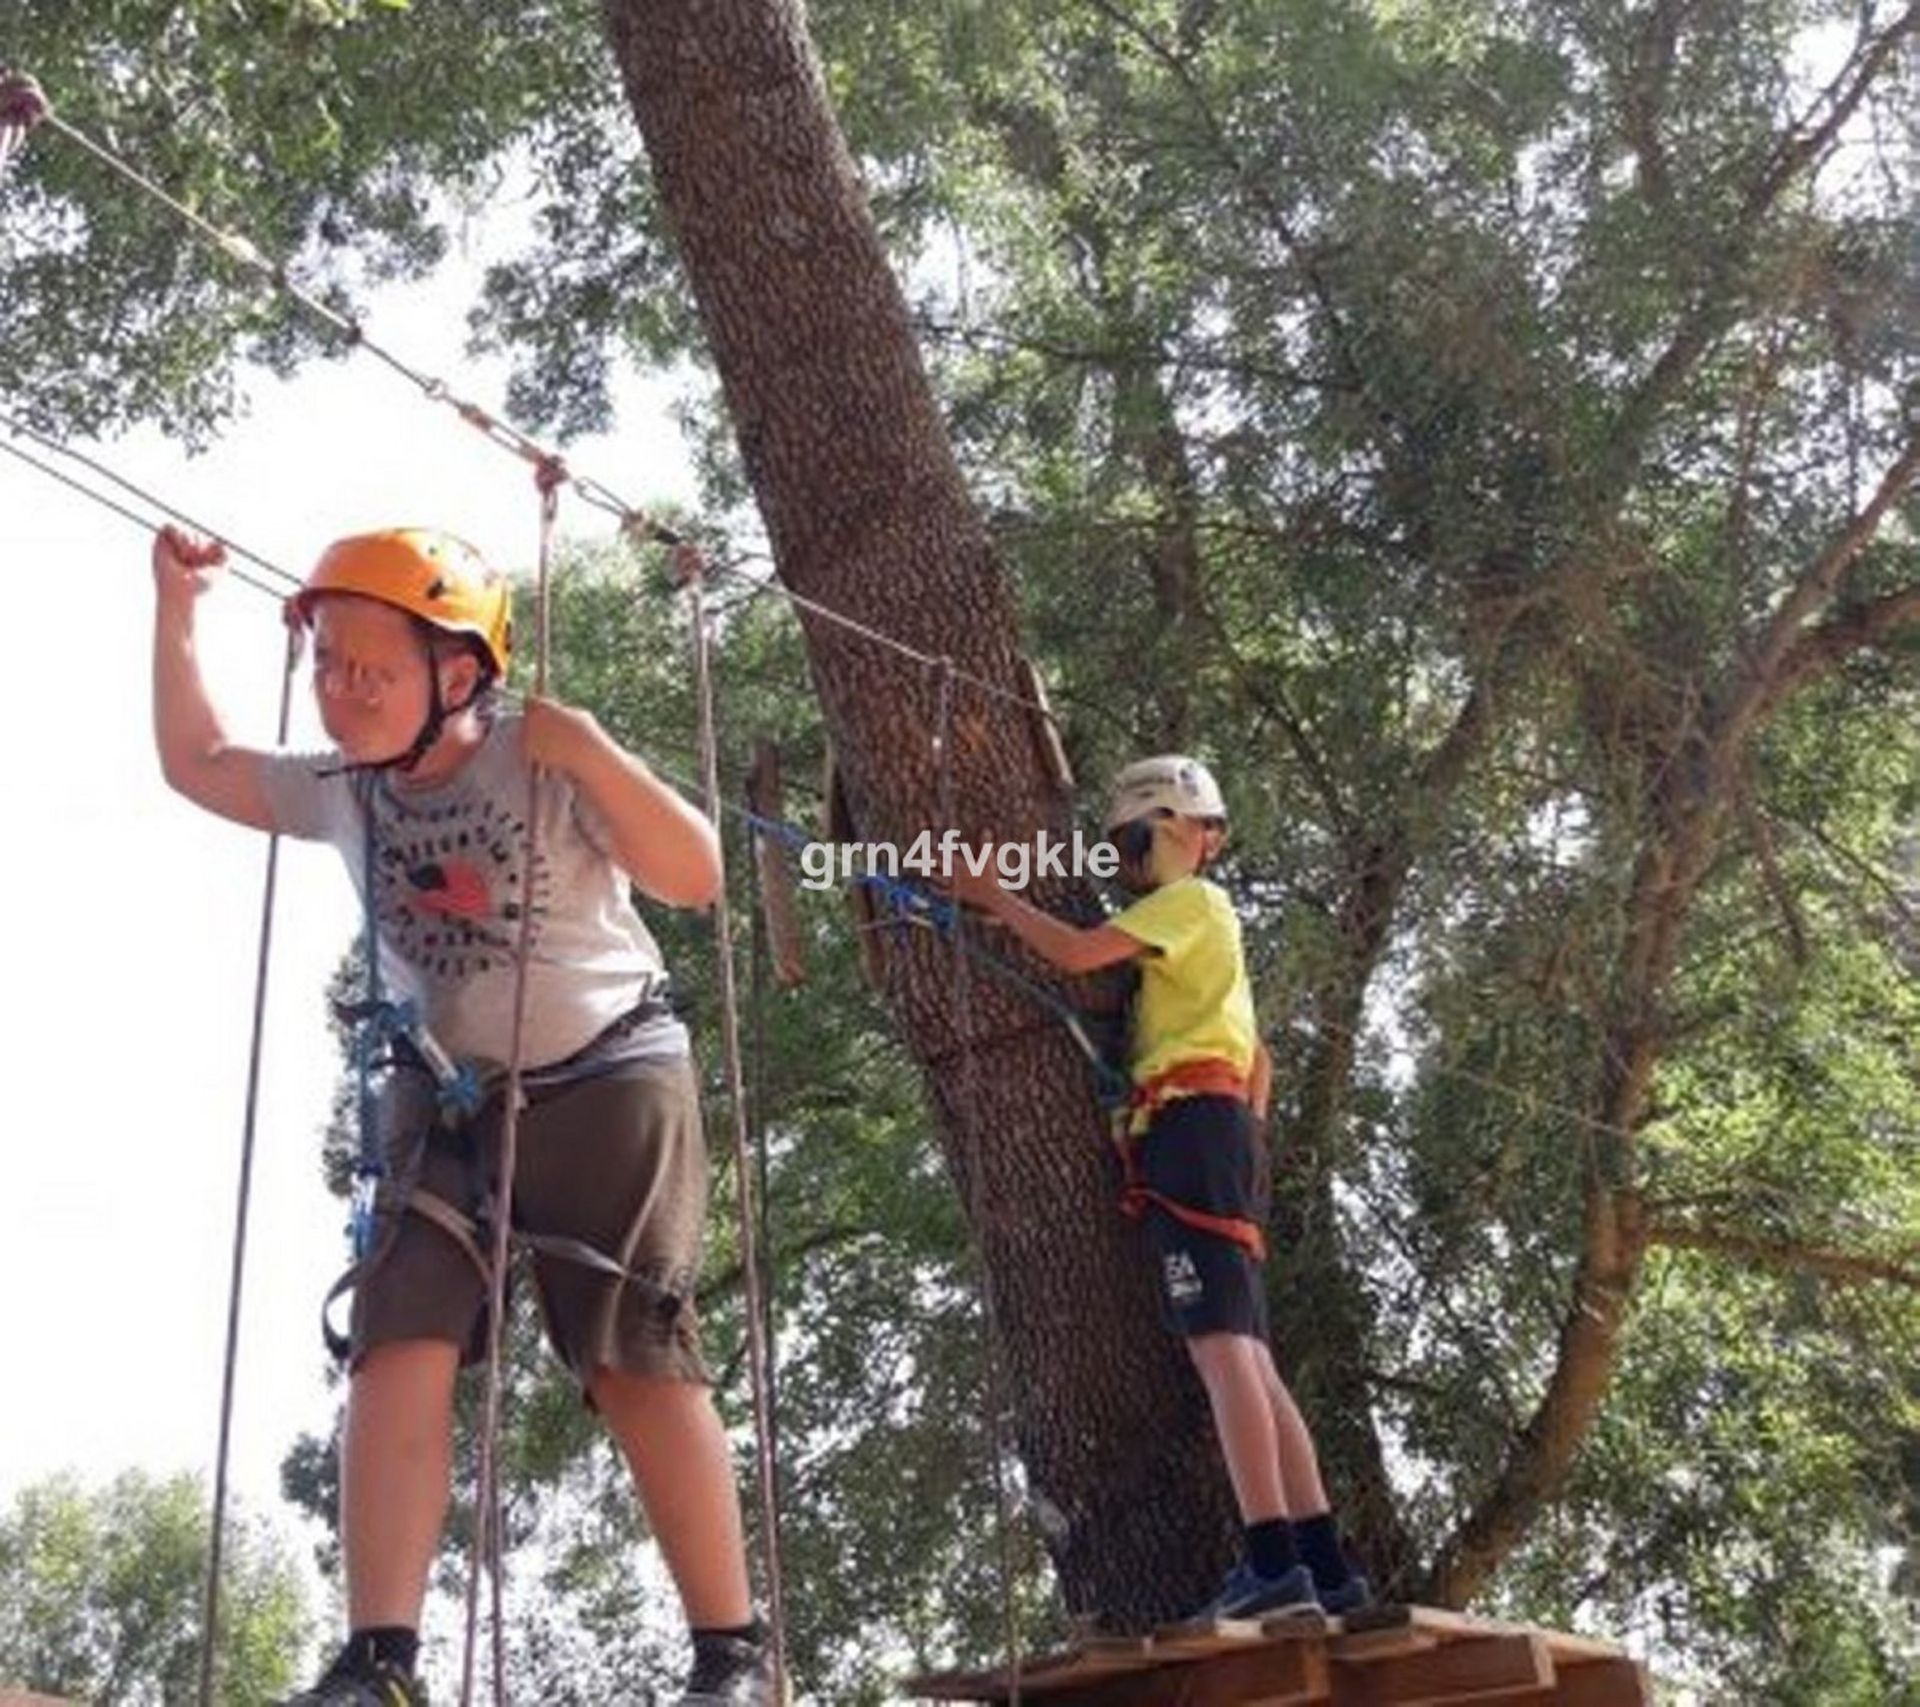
column 135, row 918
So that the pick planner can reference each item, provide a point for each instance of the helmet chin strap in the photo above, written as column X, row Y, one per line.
column 1140, row 848
column 438, row 712
column 1137, row 845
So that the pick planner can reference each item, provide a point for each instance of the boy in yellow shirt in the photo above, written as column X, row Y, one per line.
column 1201, row 1078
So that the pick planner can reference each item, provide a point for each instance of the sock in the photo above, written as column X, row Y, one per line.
column 392, row 1644
column 1270, row 1548
column 751, row 1631
column 1318, row 1541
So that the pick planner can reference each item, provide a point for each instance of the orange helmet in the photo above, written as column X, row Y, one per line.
column 426, row 573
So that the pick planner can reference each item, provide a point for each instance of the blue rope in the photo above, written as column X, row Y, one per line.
column 906, row 899
column 911, row 904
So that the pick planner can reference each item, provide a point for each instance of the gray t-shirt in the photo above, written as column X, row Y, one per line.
column 449, row 886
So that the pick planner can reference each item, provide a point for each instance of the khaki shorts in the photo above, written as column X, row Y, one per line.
column 617, row 1161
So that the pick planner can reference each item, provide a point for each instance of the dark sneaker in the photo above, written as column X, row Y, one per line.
column 361, row 1682
column 1353, row 1594
column 730, row 1671
column 1247, row 1594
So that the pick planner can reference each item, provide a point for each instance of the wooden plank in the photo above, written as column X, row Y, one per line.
column 1449, row 1626
column 1195, row 1648
column 1047, row 1674
column 1040, row 1674
column 1280, row 1674
column 1506, row 1669
column 1614, row 1682
column 1046, row 729
column 1193, row 1636
column 1382, row 1640
column 766, row 796
column 23, row 1698
column 1381, row 1629
column 1394, row 1656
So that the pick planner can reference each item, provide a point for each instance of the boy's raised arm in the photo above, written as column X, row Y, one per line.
column 661, row 841
column 1071, row 947
column 195, row 755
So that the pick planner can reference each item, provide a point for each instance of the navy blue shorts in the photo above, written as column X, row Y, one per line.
column 1203, row 1151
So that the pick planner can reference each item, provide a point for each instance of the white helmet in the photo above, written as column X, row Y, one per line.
column 1171, row 782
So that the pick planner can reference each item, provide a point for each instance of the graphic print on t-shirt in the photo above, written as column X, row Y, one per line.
column 451, row 889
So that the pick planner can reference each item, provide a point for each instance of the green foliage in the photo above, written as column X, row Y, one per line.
column 1418, row 409
column 100, row 1596
column 336, row 135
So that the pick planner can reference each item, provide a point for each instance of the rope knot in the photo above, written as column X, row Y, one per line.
column 686, row 565
column 23, row 103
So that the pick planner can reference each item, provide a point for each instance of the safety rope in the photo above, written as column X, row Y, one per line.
column 763, row 1180
column 916, row 905
column 486, row 1537
column 759, row 586
column 24, row 105
column 961, row 1008
column 241, row 249
column 243, row 1198
column 634, row 520
column 903, row 901
column 763, row 1166
column 688, row 571
column 145, row 497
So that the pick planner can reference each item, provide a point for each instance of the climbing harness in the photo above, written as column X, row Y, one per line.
column 457, row 1086
column 1207, row 1077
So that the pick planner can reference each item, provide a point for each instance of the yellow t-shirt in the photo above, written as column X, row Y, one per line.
column 1195, row 1002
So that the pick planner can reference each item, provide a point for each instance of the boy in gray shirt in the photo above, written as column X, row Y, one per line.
column 425, row 796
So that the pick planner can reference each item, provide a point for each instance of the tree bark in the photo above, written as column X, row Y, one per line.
column 866, row 511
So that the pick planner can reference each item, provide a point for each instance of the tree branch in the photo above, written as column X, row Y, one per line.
column 1792, row 153
column 1854, row 629
column 1702, row 323
column 1844, row 1268
column 1273, row 701
column 729, row 1280
column 1786, row 657
column 976, row 337
column 1643, row 94
column 1176, row 66
column 1761, row 837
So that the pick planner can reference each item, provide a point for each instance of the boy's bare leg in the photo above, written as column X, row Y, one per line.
column 1229, row 1366
column 1299, row 1463
column 675, row 1446
column 396, row 1462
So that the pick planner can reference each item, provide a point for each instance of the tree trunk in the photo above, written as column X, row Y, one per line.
column 867, row 513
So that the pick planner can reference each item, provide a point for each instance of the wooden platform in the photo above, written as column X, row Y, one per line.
column 1396, row 1656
